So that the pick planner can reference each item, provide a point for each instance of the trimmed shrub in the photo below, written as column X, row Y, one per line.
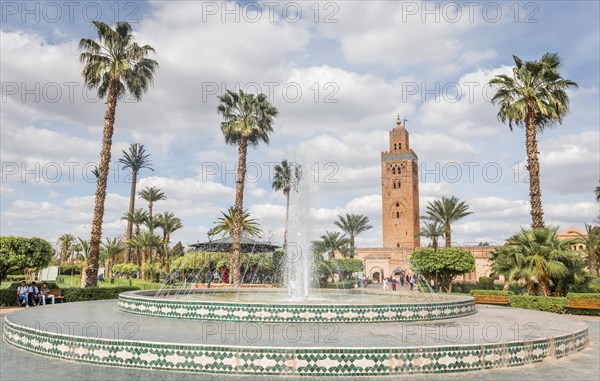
column 491, row 293
column 345, row 284
column 8, row 297
column 540, row 303
column 93, row 293
column 486, row 283
column 16, row 278
column 574, row 295
column 73, row 268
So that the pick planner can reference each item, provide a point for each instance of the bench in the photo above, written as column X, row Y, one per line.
column 57, row 296
column 583, row 304
column 492, row 299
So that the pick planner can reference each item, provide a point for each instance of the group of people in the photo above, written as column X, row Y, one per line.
column 33, row 294
column 392, row 281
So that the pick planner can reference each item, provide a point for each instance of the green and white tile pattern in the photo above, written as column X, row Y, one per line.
column 292, row 361
column 295, row 313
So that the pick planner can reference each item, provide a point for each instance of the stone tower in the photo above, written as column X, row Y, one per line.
column 400, row 192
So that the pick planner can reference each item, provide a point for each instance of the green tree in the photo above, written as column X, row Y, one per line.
column 591, row 240
column 225, row 225
column 545, row 257
column 597, row 193
column 137, row 218
column 247, row 120
column 535, row 98
column 65, row 241
column 330, row 242
column 146, row 242
column 136, row 159
column 151, row 195
column 353, row 225
column 286, row 177
column 168, row 223
column 110, row 249
column 447, row 263
column 85, row 248
column 447, row 211
column 178, row 250
column 116, row 65
column 345, row 267
column 433, row 230
column 20, row 253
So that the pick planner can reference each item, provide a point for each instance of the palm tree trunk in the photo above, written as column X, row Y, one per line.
column 127, row 256
column 533, row 166
column 287, row 215
column 142, row 267
column 236, row 238
column 108, row 265
column 434, row 243
column 530, row 287
column 448, row 236
column 89, row 277
column 544, row 285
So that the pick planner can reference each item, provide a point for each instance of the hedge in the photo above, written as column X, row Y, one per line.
column 491, row 293
column 345, row 284
column 8, row 296
column 574, row 295
column 12, row 278
column 541, row 303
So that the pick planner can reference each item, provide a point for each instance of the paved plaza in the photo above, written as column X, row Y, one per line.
column 21, row 365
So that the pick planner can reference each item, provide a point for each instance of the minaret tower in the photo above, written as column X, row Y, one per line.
column 400, row 192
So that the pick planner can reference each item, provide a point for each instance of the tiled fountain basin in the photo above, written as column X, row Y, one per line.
column 343, row 306
column 97, row 332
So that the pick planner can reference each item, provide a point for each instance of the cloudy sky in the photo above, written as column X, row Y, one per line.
column 339, row 72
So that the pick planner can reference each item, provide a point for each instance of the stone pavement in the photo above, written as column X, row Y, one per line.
column 20, row 365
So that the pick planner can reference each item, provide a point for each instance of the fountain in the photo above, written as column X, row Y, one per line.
column 296, row 330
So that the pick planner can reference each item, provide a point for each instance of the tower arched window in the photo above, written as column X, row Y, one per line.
column 399, row 145
column 393, row 170
column 397, row 205
column 395, row 146
column 394, row 185
column 397, row 214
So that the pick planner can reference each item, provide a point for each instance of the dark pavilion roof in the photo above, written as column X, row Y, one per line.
column 224, row 245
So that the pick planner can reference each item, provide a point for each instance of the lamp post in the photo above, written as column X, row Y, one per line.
column 210, row 273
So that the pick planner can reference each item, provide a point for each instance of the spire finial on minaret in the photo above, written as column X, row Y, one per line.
column 398, row 120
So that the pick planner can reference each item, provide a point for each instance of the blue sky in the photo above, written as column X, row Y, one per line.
column 369, row 61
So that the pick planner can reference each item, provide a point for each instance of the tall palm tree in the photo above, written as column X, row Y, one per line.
column 446, row 211
column 224, row 225
column 115, row 65
column 286, row 177
column 169, row 224
column 591, row 240
column 65, row 241
column 247, row 120
column 330, row 242
column 433, row 230
column 146, row 242
column 353, row 225
column 534, row 97
column 151, row 195
column 545, row 258
column 597, row 193
column 137, row 218
column 111, row 248
column 136, row 159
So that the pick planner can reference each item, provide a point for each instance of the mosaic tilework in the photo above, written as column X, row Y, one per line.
column 295, row 313
column 293, row 361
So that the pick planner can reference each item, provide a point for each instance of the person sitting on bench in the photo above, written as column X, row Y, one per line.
column 45, row 293
column 23, row 294
column 34, row 293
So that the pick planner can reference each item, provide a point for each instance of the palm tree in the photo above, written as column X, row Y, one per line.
column 85, row 247
column 353, row 225
column 432, row 230
column 224, row 225
column 136, row 159
column 534, row 97
column 65, row 241
column 446, row 211
column 591, row 240
column 115, row 65
column 169, row 224
column 151, row 195
column 137, row 218
column 247, row 120
column 545, row 258
column 597, row 193
column 146, row 242
column 286, row 177
column 330, row 243
column 111, row 248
